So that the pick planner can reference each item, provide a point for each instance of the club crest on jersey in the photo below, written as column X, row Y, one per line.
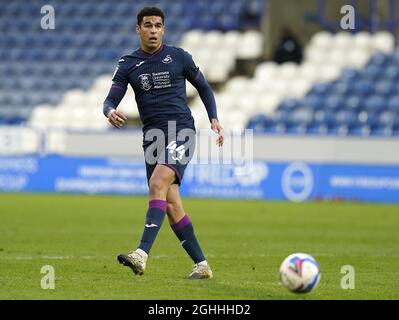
column 167, row 59
column 145, row 81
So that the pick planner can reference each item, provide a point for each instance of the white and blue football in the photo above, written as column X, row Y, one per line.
column 300, row 273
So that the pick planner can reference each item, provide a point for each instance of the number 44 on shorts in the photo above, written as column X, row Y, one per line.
column 176, row 152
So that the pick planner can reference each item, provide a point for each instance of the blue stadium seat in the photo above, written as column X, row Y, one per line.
column 317, row 129
column 227, row 22
column 349, row 75
column 319, row 89
column 392, row 73
column 359, row 130
column 367, row 118
column 340, row 87
column 296, row 128
column 338, row 130
column 372, row 72
column 380, row 59
column 393, row 103
column 388, row 118
column 259, row 123
column 302, row 116
column 395, row 130
column 374, row 103
column 289, row 104
column 381, row 130
column 346, row 117
column 322, row 120
column 314, row 101
column 333, row 102
column 384, row 87
column 276, row 128
column 353, row 102
column 363, row 87
column 395, row 56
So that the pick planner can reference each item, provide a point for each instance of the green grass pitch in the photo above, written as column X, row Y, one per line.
column 244, row 242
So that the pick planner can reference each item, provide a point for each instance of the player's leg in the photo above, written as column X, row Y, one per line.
column 174, row 206
column 160, row 180
column 183, row 228
column 159, row 184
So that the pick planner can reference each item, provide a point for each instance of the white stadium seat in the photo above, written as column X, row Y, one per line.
column 102, row 83
column 298, row 88
column 232, row 40
column 383, row 41
column 266, row 70
column 288, row 70
column 358, row 58
column 321, row 40
column 224, row 101
column 268, row 103
column 73, row 98
column 338, row 57
column 329, row 73
column 212, row 39
column 237, row 85
column 315, row 56
column 251, row 46
column 363, row 41
column 342, row 40
column 192, row 39
column 217, row 73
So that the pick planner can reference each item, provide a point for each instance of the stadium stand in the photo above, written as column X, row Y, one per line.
column 346, row 85
column 70, row 67
column 352, row 81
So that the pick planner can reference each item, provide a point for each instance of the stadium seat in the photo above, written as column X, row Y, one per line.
column 314, row 101
column 374, row 103
column 393, row 103
column 289, row 105
column 383, row 41
column 353, row 102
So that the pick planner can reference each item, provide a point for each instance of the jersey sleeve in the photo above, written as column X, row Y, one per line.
column 191, row 70
column 120, row 77
column 193, row 74
column 117, row 90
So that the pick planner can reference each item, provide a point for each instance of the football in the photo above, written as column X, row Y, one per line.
column 300, row 273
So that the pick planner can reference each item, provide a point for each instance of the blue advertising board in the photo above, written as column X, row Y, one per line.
column 293, row 181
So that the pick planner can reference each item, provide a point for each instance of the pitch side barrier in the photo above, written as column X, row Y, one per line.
column 294, row 168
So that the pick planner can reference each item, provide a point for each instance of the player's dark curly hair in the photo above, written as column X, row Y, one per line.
column 150, row 11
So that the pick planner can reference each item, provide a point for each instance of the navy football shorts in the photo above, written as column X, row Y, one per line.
column 171, row 153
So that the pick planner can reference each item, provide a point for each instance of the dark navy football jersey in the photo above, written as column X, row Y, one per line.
column 158, row 81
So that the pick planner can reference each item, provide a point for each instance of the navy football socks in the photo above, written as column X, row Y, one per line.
column 185, row 232
column 154, row 218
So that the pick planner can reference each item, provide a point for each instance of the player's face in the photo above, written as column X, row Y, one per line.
column 151, row 32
